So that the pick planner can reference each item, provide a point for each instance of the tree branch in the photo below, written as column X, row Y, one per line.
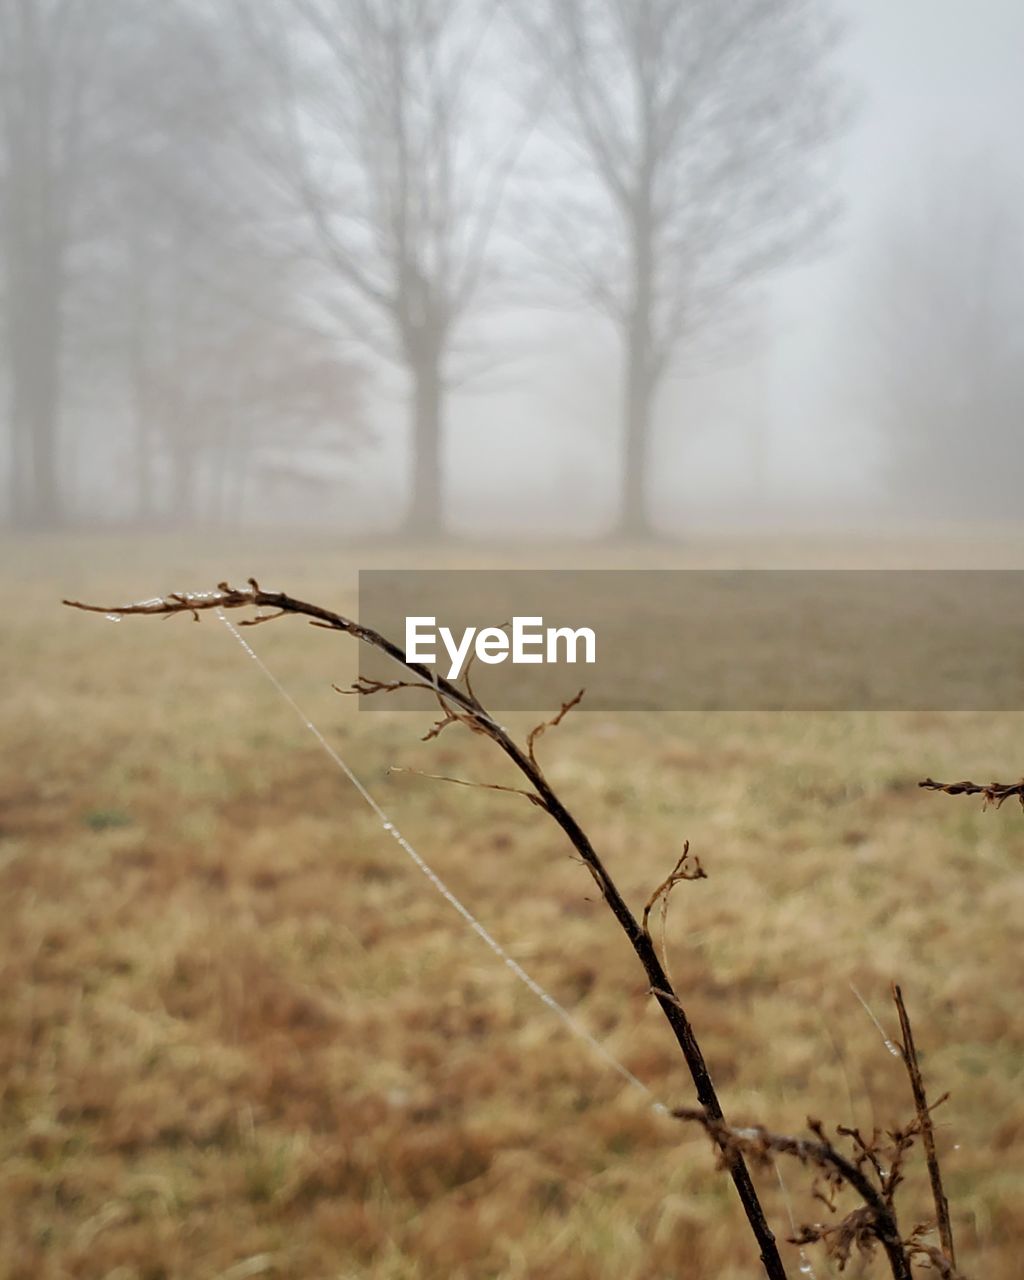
column 467, row 707
column 995, row 793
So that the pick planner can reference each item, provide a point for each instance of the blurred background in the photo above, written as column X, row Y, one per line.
column 462, row 266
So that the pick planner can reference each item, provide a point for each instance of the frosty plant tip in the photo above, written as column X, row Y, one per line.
column 525, row 641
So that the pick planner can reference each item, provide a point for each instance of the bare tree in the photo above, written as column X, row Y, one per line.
column 399, row 168
column 178, row 265
column 699, row 132
column 205, row 347
column 189, row 319
column 228, row 376
column 943, row 320
column 50, row 55
column 246, row 390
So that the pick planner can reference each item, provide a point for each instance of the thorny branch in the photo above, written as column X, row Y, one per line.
column 995, row 793
column 874, row 1222
column 463, row 705
column 924, row 1118
column 874, row 1172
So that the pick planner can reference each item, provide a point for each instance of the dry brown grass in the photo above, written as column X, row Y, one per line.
column 239, row 1036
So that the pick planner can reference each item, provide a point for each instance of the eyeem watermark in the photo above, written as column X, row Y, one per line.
column 526, row 641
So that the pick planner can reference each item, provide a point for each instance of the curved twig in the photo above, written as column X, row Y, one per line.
column 467, row 707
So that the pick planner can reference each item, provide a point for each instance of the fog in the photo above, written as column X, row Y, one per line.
column 552, row 266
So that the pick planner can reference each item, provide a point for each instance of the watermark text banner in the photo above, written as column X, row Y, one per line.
column 677, row 640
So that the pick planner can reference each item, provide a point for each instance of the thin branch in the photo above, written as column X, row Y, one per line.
column 466, row 706
column 927, row 1128
column 553, row 723
column 478, row 786
column 484, row 211
column 995, row 793
column 683, row 870
column 261, row 618
column 439, row 726
column 366, row 685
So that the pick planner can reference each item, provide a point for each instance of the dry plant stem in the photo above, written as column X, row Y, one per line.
column 924, row 1118
column 760, row 1144
column 683, row 870
column 467, row 707
column 995, row 793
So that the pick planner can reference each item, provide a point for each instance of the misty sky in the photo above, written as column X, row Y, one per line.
column 934, row 82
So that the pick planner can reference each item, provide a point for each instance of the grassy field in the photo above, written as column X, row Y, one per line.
column 240, row 1035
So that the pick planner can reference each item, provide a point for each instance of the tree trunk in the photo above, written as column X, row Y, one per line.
column 143, row 457
column 35, row 374
column 640, row 384
column 184, row 440
column 34, row 243
column 139, row 374
column 639, row 397
column 17, row 478
column 425, row 517
column 35, row 281
column 178, row 425
column 45, row 510
column 183, row 488
column 226, row 462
